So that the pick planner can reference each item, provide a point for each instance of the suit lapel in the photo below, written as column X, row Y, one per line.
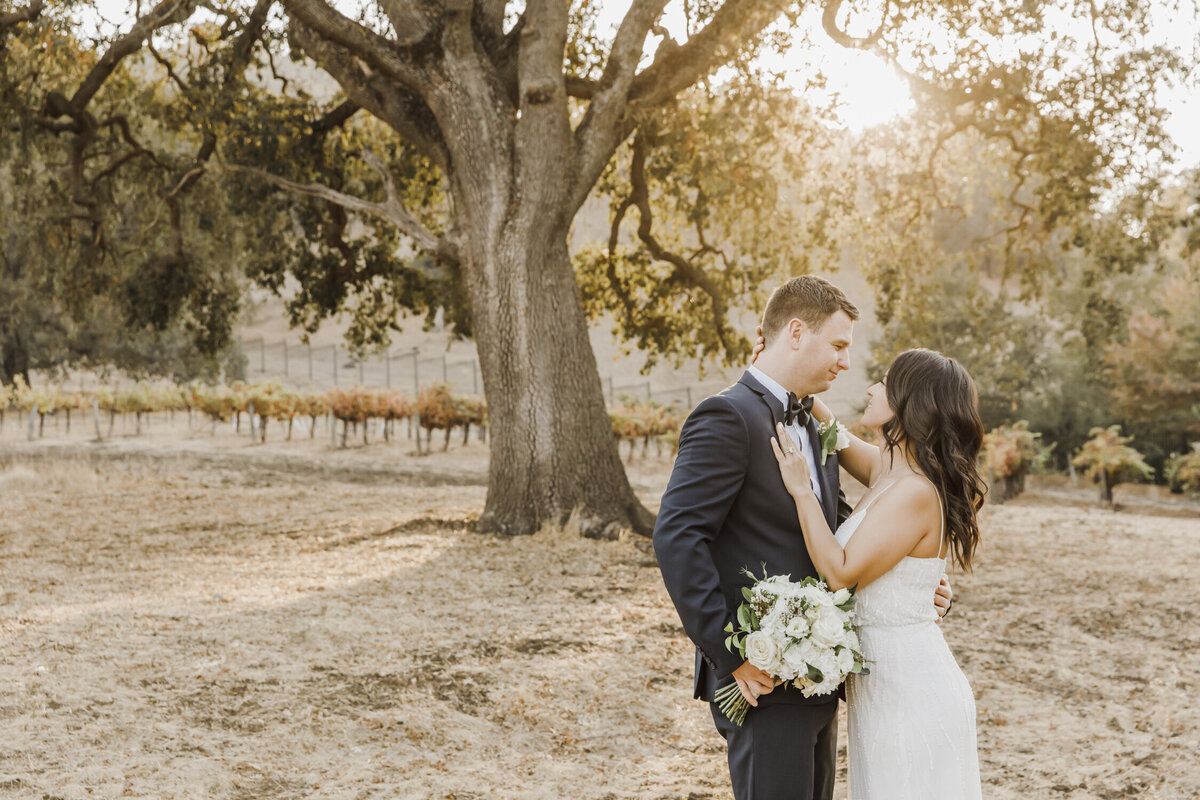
column 825, row 475
column 751, row 383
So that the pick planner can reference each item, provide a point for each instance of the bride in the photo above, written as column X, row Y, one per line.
column 912, row 719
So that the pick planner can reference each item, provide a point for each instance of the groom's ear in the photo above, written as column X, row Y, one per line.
column 795, row 331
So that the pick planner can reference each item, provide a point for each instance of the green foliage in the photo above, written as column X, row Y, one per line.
column 93, row 274
column 1013, row 450
column 1156, row 367
column 1183, row 471
column 1108, row 460
column 983, row 220
column 712, row 202
column 1010, row 452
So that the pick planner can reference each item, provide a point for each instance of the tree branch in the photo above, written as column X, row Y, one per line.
column 27, row 14
column 684, row 269
column 403, row 111
column 391, row 210
column 165, row 13
column 378, row 52
column 336, row 118
column 600, row 132
column 829, row 23
column 676, row 68
column 414, row 22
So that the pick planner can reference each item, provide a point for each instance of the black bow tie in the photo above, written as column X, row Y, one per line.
column 797, row 410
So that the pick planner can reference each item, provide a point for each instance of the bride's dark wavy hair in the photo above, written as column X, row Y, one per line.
column 936, row 414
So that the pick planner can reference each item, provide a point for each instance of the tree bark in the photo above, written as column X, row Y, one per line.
column 15, row 360
column 552, row 446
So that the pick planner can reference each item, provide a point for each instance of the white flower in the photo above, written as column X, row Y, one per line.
column 814, row 596
column 762, row 651
column 841, row 596
column 845, row 660
column 843, row 437
column 828, row 629
column 831, row 676
column 850, row 639
column 797, row 627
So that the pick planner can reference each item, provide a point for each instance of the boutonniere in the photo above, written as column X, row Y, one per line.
column 834, row 437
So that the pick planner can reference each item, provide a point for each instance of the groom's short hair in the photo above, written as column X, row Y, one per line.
column 810, row 299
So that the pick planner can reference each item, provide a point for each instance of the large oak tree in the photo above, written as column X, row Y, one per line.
column 518, row 110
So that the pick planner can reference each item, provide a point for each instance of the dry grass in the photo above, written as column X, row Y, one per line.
column 215, row 622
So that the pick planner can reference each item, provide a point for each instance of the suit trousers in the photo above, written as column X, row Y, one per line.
column 783, row 751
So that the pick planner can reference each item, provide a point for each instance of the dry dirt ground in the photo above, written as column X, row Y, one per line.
column 190, row 617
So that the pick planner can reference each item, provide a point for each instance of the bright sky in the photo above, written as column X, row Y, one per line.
column 870, row 91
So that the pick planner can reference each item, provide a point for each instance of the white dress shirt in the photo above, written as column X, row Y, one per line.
column 798, row 433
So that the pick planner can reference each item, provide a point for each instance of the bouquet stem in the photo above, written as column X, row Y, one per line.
column 729, row 699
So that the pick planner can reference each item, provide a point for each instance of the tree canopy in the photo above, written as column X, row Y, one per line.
column 443, row 163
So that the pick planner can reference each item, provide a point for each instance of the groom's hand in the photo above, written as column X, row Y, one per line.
column 943, row 596
column 753, row 682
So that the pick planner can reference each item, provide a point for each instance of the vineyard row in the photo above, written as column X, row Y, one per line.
column 434, row 408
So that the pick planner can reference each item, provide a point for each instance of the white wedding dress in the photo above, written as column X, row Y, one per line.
column 912, row 719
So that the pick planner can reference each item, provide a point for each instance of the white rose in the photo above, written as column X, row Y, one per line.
column 797, row 627
column 794, row 660
column 845, row 661
column 841, row 596
column 814, row 596
column 772, row 622
column 828, row 628
column 843, row 438
column 850, row 639
column 827, row 686
column 762, row 650
column 830, row 676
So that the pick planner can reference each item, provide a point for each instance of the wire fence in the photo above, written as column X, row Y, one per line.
column 331, row 366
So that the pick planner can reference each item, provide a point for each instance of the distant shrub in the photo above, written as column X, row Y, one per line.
column 1010, row 452
column 1183, row 471
column 1108, row 460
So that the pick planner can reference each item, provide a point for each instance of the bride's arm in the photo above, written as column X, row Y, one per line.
column 860, row 458
column 876, row 547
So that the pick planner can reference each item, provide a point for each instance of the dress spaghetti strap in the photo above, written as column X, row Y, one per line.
column 941, row 520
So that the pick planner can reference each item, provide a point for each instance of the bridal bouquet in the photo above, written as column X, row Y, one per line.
column 800, row 633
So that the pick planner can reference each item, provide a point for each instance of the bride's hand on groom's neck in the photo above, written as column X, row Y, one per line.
column 760, row 344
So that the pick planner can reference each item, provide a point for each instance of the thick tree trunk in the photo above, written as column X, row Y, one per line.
column 552, row 446
column 14, row 360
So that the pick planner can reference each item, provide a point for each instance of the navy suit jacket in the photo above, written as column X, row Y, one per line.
column 726, row 509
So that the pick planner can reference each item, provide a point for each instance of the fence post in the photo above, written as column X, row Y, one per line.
column 262, row 354
column 444, row 379
column 96, row 419
column 475, row 377
column 611, row 392
column 32, row 417
column 647, row 391
column 416, row 357
column 688, row 390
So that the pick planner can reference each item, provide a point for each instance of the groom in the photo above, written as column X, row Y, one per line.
column 726, row 509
